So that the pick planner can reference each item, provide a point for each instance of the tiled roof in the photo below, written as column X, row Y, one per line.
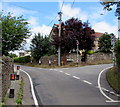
column 98, row 34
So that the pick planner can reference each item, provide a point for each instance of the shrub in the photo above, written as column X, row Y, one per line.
column 25, row 59
column 90, row 52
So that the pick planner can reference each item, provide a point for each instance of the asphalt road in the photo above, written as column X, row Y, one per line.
column 68, row 86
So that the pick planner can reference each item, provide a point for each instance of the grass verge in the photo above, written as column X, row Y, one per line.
column 20, row 93
column 113, row 79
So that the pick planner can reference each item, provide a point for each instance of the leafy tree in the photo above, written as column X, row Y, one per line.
column 41, row 46
column 73, row 30
column 11, row 55
column 105, row 43
column 108, row 6
column 117, row 54
column 14, row 32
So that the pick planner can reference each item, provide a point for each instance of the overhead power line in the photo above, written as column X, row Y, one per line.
column 52, row 20
column 62, row 5
column 72, row 4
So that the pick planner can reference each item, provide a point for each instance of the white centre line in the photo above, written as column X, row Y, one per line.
column 76, row 77
column 67, row 74
column 87, row 82
column 60, row 71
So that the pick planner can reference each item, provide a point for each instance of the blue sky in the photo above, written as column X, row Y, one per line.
column 40, row 14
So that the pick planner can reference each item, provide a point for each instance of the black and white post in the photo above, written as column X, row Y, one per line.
column 77, row 42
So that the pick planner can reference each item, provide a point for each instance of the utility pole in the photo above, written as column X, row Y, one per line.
column 59, row 49
column 118, row 10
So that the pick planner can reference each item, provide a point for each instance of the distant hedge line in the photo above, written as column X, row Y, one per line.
column 25, row 59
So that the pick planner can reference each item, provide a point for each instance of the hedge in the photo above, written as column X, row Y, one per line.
column 25, row 59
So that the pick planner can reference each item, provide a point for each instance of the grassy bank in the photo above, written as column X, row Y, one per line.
column 113, row 79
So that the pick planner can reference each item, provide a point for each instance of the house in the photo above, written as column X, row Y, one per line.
column 24, row 53
column 96, row 42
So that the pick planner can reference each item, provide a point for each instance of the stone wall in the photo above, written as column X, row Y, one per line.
column 0, row 81
column 66, row 59
column 46, row 59
column 98, row 57
column 72, row 58
column 7, row 69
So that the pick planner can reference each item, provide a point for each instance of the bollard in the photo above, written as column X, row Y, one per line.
column 18, row 73
column 12, row 78
column 11, row 94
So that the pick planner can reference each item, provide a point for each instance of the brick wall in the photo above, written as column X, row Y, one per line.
column 7, row 69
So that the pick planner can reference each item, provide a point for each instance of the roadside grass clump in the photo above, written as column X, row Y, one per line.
column 20, row 93
column 2, row 105
column 113, row 79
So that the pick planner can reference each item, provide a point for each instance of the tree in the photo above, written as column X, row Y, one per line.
column 105, row 43
column 14, row 32
column 41, row 46
column 11, row 55
column 73, row 30
column 108, row 6
column 117, row 54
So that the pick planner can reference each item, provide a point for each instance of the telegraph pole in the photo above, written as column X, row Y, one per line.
column 59, row 49
column 118, row 12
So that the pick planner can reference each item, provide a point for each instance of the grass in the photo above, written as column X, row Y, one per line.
column 68, row 65
column 20, row 93
column 2, row 105
column 113, row 78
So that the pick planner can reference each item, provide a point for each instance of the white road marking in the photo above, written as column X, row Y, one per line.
column 100, row 88
column 112, row 92
column 104, row 89
column 65, row 68
column 115, row 101
column 87, row 82
column 109, row 91
column 32, row 89
column 40, row 68
column 55, row 69
column 76, row 77
column 60, row 71
column 51, row 69
column 67, row 74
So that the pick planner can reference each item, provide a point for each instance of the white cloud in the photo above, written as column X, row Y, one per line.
column 16, row 10
column 33, row 21
column 45, row 30
column 105, row 27
column 69, row 12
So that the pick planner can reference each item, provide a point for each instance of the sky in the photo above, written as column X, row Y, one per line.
column 43, row 15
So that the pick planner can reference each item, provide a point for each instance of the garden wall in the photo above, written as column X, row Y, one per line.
column 98, row 57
